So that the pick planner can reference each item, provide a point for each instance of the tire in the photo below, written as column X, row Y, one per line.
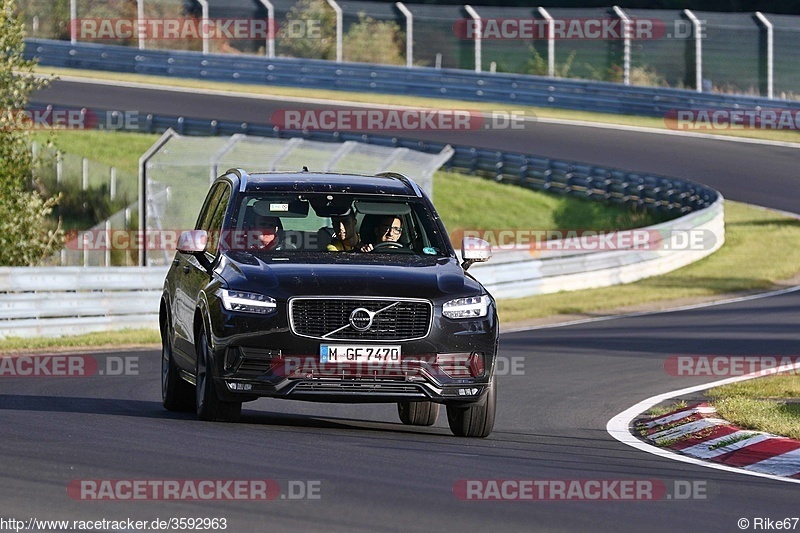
column 474, row 420
column 209, row 406
column 176, row 393
column 418, row 413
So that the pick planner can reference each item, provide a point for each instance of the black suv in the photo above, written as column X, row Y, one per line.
column 327, row 287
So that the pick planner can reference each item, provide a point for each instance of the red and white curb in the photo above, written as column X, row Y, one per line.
column 696, row 432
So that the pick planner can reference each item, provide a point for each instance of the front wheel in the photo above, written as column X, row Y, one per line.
column 176, row 394
column 474, row 420
column 418, row 413
column 209, row 406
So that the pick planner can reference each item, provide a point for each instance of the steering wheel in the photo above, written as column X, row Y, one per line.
column 392, row 245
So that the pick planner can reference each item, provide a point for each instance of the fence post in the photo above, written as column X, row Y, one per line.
column 626, row 53
column 84, row 173
column 59, row 167
column 478, row 35
column 339, row 28
column 770, row 52
column 270, row 51
column 551, row 43
column 73, row 22
column 204, row 6
column 112, row 188
column 140, row 23
column 409, row 33
column 698, row 49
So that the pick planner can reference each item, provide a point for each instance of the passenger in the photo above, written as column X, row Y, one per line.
column 388, row 229
column 345, row 236
column 268, row 233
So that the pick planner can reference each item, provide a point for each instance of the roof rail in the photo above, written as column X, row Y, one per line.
column 402, row 177
column 242, row 175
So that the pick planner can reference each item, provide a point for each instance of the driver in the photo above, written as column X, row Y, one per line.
column 388, row 229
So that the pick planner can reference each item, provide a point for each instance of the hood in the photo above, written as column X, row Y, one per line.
column 346, row 274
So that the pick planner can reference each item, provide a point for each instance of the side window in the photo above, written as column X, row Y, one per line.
column 217, row 218
column 209, row 207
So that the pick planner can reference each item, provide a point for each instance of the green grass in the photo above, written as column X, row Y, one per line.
column 112, row 148
column 405, row 100
column 105, row 339
column 474, row 203
column 759, row 252
column 776, row 417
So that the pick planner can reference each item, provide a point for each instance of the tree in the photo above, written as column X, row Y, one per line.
column 26, row 236
column 373, row 41
column 309, row 31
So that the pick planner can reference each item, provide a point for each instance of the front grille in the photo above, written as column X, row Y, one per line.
column 318, row 317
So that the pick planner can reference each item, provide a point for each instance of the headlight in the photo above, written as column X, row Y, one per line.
column 474, row 307
column 247, row 302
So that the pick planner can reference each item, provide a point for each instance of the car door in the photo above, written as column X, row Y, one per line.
column 192, row 276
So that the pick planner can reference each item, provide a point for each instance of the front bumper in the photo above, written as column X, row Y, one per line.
column 261, row 357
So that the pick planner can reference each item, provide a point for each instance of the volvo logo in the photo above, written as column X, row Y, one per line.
column 361, row 319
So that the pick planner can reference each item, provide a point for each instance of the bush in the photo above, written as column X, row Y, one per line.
column 26, row 237
column 373, row 41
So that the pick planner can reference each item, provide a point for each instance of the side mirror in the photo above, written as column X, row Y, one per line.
column 474, row 250
column 193, row 242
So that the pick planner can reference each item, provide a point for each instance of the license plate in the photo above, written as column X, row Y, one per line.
column 358, row 353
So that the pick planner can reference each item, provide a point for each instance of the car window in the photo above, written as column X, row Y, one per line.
column 216, row 220
column 204, row 219
column 304, row 222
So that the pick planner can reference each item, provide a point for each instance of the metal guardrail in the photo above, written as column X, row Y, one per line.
column 54, row 301
column 508, row 275
column 516, row 89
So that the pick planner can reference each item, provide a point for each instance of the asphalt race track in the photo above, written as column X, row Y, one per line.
column 367, row 471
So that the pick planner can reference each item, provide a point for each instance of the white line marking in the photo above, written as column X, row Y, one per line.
column 618, row 426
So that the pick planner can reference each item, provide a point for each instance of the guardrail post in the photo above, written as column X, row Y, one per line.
column 697, row 27
column 270, row 51
column 626, row 54
column 551, row 43
column 478, row 35
column 409, row 33
column 770, row 48
column 339, row 28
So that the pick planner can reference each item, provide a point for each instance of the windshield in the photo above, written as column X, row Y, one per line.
column 338, row 223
